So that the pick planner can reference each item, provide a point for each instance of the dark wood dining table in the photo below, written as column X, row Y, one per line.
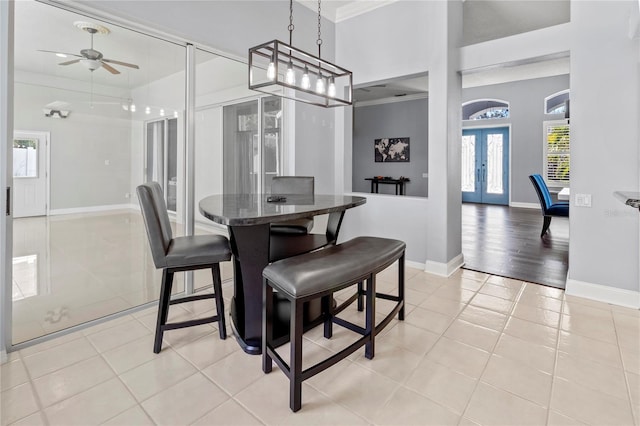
column 248, row 218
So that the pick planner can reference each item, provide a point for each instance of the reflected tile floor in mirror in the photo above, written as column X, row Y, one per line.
column 474, row 349
column 70, row 269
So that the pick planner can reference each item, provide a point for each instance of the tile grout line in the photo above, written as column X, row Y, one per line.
column 555, row 359
column 634, row 416
column 509, row 316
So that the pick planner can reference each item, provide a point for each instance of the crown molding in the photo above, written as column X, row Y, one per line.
column 346, row 11
column 356, row 8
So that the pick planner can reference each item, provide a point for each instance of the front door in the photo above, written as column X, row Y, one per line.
column 29, row 174
column 485, row 165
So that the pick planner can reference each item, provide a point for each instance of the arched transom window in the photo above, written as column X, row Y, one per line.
column 485, row 109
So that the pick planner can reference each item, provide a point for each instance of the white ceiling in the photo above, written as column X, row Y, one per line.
column 40, row 26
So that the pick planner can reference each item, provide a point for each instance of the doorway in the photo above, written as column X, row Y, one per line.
column 30, row 173
column 485, row 165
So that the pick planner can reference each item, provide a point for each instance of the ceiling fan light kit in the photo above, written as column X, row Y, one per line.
column 91, row 58
column 282, row 70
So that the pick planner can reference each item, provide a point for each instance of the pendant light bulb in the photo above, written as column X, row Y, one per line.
column 320, row 84
column 306, row 83
column 331, row 90
column 271, row 70
column 132, row 108
column 161, row 112
column 147, row 110
column 291, row 75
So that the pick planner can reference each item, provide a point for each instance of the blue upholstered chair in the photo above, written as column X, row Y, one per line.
column 549, row 209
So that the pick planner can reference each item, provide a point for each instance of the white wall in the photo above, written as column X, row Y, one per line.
column 79, row 147
column 401, row 39
column 604, row 246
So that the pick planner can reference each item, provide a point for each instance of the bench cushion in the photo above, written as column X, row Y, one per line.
column 334, row 267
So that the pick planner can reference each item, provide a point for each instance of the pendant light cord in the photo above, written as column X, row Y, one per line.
column 319, row 41
column 291, row 26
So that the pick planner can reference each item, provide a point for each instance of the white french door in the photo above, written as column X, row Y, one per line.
column 30, row 174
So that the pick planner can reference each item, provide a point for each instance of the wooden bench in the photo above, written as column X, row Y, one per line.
column 319, row 274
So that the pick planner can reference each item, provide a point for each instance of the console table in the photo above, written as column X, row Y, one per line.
column 399, row 183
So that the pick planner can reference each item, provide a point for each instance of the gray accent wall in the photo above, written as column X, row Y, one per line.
column 526, row 115
column 391, row 120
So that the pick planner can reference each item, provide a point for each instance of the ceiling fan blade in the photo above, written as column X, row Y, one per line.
column 60, row 53
column 109, row 68
column 124, row 64
column 69, row 62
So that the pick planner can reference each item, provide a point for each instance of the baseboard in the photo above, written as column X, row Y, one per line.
column 415, row 265
column 525, row 205
column 444, row 269
column 93, row 209
column 603, row 293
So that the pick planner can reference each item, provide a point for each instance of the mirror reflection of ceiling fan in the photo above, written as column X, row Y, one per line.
column 91, row 58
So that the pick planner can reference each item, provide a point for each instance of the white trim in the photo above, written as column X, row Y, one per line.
column 393, row 100
column 444, row 269
column 93, row 209
column 416, row 265
column 603, row 293
column 524, row 205
column 358, row 8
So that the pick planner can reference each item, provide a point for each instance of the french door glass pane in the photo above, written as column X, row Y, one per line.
column 469, row 163
column 495, row 184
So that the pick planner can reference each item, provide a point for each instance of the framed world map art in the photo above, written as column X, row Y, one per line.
column 391, row 150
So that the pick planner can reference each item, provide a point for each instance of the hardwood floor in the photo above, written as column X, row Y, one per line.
column 506, row 241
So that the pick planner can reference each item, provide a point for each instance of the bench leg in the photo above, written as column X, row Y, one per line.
column 267, row 325
column 360, row 297
column 217, row 289
column 401, row 286
column 327, row 312
column 370, row 322
column 163, row 308
column 295, row 360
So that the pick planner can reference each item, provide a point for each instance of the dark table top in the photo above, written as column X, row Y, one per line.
column 391, row 180
column 246, row 210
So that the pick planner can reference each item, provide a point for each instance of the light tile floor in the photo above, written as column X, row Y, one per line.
column 474, row 349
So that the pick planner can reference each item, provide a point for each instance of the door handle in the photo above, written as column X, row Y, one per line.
column 478, row 175
column 484, row 173
column 8, row 201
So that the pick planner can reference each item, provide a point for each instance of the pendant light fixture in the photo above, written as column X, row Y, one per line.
column 280, row 69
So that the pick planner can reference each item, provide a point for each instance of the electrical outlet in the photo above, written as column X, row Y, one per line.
column 583, row 200
column 107, row 162
column 127, row 195
column 425, row 175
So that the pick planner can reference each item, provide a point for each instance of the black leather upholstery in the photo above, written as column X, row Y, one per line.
column 180, row 254
column 312, row 273
column 180, row 251
column 287, row 185
column 317, row 275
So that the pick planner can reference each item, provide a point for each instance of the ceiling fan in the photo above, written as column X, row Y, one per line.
column 91, row 58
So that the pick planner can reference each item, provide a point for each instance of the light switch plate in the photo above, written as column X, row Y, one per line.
column 583, row 200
